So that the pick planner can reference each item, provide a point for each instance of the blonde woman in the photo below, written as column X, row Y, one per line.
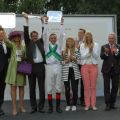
column 13, row 78
column 89, row 51
column 70, row 72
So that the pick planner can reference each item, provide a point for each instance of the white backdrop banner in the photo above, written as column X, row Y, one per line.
column 8, row 20
column 99, row 25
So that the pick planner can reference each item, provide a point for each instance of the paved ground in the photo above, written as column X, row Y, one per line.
column 80, row 114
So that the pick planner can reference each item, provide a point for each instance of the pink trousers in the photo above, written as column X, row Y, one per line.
column 89, row 74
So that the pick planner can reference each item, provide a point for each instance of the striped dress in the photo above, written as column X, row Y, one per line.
column 65, row 68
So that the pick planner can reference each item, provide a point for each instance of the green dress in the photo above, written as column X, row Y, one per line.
column 12, row 77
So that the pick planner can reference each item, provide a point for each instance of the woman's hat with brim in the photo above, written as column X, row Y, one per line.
column 16, row 33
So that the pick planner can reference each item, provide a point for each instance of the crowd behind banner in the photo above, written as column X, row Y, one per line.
column 44, row 60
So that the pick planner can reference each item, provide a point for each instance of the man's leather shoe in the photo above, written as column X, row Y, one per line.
column 50, row 110
column 1, row 112
column 112, row 106
column 82, row 103
column 59, row 110
column 41, row 111
column 107, row 108
column 33, row 111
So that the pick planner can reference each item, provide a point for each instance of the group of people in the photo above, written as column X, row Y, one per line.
column 77, row 62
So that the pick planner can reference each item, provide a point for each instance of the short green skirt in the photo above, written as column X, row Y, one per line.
column 20, row 80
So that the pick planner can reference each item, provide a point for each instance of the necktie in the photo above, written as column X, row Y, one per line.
column 4, row 47
column 34, row 50
column 111, row 50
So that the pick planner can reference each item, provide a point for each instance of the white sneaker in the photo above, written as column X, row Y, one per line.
column 86, row 108
column 94, row 108
column 67, row 108
column 74, row 108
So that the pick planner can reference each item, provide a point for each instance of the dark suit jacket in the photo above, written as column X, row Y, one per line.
column 29, row 45
column 110, row 60
column 4, row 58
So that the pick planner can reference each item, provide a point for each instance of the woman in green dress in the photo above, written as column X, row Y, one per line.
column 13, row 78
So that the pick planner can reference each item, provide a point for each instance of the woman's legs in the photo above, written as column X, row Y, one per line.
column 13, row 96
column 93, row 79
column 67, row 92
column 21, row 98
column 86, row 81
column 74, row 85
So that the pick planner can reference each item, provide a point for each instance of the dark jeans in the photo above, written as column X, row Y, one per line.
column 110, row 94
column 74, row 85
column 38, row 71
column 81, row 88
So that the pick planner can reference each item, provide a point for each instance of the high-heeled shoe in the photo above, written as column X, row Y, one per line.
column 14, row 113
column 22, row 109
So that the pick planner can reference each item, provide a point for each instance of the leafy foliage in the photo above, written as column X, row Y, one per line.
column 68, row 7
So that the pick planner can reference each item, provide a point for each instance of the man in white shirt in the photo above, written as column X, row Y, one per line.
column 36, row 55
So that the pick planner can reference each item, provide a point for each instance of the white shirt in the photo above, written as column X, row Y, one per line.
column 84, row 54
column 70, row 63
column 19, row 55
column 89, row 60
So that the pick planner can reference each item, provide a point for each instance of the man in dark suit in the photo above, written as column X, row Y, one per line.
column 81, row 34
column 4, row 55
column 36, row 55
column 110, row 53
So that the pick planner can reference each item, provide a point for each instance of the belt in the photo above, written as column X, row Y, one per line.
column 56, row 63
column 39, row 63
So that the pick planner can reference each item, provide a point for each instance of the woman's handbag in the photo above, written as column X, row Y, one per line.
column 24, row 68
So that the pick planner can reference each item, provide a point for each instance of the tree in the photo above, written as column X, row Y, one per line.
column 69, row 7
column 30, row 6
column 1, row 5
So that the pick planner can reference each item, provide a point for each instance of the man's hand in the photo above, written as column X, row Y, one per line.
column 62, row 21
column 46, row 19
column 115, row 50
column 42, row 19
column 106, row 50
column 25, row 15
